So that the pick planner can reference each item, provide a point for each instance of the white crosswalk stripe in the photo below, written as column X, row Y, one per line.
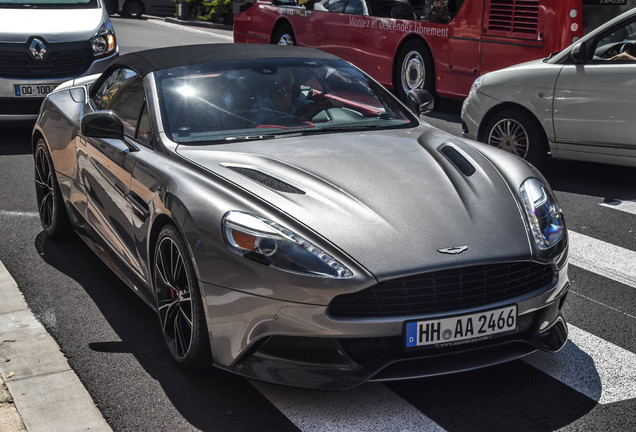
column 599, row 369
column 603, row 258
column 369, row 408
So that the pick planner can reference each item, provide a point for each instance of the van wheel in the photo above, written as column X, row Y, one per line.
column 284, row 36
column 517, row 132
column 133, row 9
column 414, row 69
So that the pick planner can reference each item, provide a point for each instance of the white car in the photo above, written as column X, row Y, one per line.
column 44, row 43
column 578, row 104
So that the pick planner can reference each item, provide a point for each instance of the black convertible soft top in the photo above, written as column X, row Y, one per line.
column 145, row 62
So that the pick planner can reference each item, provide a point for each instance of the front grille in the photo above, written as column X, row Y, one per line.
column 444, row 290
column 62, row 60
column 27, row 105
column 519, row 16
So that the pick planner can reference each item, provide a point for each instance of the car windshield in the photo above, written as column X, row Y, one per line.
column 48, row 4
column 264, row 99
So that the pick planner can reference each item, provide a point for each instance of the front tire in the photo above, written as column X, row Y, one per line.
column 179, row 302
column 284, row 36
column 53, row 216
column 517, row 132
column 414, row 69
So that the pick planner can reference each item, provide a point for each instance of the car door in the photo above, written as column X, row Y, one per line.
column 106, row 166
column 594, row 100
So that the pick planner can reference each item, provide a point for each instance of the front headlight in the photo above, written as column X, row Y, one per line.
column 476, row 84
column 544, row 214
column 103, row 42
column 268, row 243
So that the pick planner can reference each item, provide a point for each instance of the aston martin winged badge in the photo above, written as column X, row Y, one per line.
column 453, row 250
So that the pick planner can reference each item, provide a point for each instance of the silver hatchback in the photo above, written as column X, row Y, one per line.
column 577, row 104
column 46, row 42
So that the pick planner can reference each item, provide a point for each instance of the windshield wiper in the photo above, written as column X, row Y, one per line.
column 263, row 136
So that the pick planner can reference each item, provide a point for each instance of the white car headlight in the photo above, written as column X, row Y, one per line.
column 268, row 243
column 544, row 214
column 103, row 42
column 476, row 84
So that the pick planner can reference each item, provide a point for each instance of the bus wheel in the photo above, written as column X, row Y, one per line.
column 284, row 36
column 519, row 133
column 414, row 69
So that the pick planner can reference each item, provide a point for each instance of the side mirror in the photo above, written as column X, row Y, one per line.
column 420, row 101
column 577, row 54
column 102, row 124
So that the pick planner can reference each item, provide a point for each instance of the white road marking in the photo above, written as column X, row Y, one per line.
column 370, row 407
column 626, row 206
column 605, row 259
column 229, row 37
column 591, row 365
column 18, row 213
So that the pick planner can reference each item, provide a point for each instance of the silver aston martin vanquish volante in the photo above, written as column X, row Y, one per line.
column 290, row 220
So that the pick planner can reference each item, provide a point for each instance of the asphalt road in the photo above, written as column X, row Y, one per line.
column 113, row 342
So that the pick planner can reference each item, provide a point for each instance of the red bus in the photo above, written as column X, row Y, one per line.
column 437, row 45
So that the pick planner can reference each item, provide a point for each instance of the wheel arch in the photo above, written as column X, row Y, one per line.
column 509, row 106
column 35, row 137
column 280, row 22
column 164, row 219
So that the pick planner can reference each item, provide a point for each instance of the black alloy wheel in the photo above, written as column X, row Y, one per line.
column 179, row 302
column 53, row 216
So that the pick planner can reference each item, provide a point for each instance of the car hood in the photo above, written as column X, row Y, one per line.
column 54, row 25
column 390, row 200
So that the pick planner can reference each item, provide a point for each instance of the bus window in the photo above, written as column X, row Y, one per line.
column 438, row 11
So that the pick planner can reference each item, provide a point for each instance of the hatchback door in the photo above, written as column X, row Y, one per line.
column 594, row 100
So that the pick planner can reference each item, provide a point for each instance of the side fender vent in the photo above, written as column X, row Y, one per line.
column 458, row 160
column 267, row 180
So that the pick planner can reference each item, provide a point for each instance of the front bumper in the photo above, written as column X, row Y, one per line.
column 474, row 110
column 300, row 345
column 26, row 108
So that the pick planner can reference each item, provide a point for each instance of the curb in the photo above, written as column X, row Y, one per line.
column 199, row 23
column 46, row 392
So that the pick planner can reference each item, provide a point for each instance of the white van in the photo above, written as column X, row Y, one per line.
column 46, row 42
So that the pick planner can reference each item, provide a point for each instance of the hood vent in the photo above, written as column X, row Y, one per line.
column 267, row 180
column 459, row 160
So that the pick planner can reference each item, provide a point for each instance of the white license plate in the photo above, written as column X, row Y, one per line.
column 462, row 328
column 33, row 90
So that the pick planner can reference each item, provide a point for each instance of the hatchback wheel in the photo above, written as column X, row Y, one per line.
column 179, row 302
column 53, row 216
column 519, row 133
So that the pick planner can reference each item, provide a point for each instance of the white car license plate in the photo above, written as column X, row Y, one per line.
column 33, row 90
column 453, row 330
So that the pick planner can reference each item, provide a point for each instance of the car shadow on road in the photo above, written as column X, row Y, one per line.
column 14, row 139
column 612, row 182
column 211, row 400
